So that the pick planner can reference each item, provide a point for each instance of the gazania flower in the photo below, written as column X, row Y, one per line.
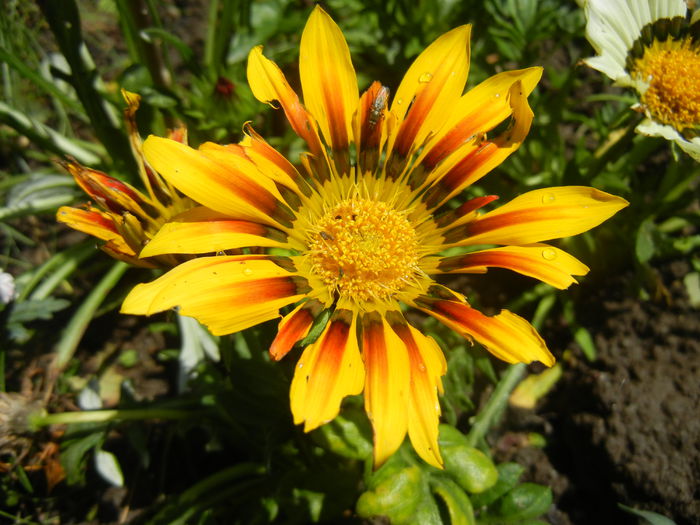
column 125, row 217
column 363, row 225
column 650, row 46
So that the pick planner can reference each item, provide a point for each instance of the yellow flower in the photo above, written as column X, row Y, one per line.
column 650, row 46
column 125, row 217
column 364, row 223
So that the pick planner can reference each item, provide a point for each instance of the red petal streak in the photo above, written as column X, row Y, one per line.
column 292, row 328
column 453, row 216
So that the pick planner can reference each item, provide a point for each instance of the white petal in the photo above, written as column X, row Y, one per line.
column 654, row 129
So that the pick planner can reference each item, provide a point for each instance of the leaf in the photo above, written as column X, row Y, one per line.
column 651, row 517
column 645, row 245
column 508, row 476
column 34, row 309
column 73, row 456
column 525, row 501
column 458, row 505
column 692, row 286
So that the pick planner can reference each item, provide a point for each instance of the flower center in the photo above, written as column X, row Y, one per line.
column 672, row 70
column 364, row 249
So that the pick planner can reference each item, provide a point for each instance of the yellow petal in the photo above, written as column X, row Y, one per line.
column 201, row 230
column 540, row 215
column 427, row 365
column 387, row 384
column 207, row 179
column 328, row 78
column 435, row 80
column 269, row 84
column 227, row 294
column 541, row 261
column 328, row 370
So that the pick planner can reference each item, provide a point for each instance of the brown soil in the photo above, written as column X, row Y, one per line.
column 625, row 429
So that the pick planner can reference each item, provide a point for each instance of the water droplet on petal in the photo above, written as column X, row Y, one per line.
column 498, row 95
column 425, row 78
column 421, row 367
column 248, row 271
column 301, row 365
column 549, row 254
column 548, row 198
column 399, row 102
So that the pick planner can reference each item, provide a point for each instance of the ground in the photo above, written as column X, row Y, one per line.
column 624, row 429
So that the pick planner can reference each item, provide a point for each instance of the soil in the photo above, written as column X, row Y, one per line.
column 625, row 428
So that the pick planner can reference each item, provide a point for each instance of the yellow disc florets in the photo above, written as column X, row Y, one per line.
column 672, row 70
column 364, row 250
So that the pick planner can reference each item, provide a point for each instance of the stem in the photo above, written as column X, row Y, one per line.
column 103, row 416
column 488, row 415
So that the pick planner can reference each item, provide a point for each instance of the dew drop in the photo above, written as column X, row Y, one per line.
column 399, row 102
column 247, row 271
column 425, row 78
column 549, row 254
column 498, row 95
column 421, row 367
column 548, row 198
column 301, row 365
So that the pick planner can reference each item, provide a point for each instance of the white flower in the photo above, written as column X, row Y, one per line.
column 7, row 287
column 649, row 45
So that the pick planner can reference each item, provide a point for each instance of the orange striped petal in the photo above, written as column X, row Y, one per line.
column 506, row 335
column 480, row 156
column 541, row 261
column 427, row 366
column 541, row 215
column 328, row 370
column 269, row 84
column 272, row 162
column 114, row 195
column 294, row 327
column 477, row 112
column 227, row 294
column 431, row 85
column 219, row 180
column 328, row 78
column 464, row 213
column 98, row 224
column 387, row 384
column 201, row 230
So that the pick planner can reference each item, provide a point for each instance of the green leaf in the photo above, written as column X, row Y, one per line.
column 692, row 286
column 348, row 435
column 32, row 310
column 525, row 501
column 73, row 456
column 645, row 245
column 650, row 517
column 458, row 505
column 508, row 476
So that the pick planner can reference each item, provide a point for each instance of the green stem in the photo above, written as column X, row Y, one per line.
column 104, row 416
column 82, row 317
column 488, row 415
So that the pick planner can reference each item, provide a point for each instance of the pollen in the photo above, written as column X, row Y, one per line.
column 672, row 70
column 364, row 250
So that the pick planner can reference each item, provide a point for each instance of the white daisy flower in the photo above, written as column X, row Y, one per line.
column 652, row 46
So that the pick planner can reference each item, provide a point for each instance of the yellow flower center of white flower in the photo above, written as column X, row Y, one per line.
column 364, row 250
column 672, row 70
